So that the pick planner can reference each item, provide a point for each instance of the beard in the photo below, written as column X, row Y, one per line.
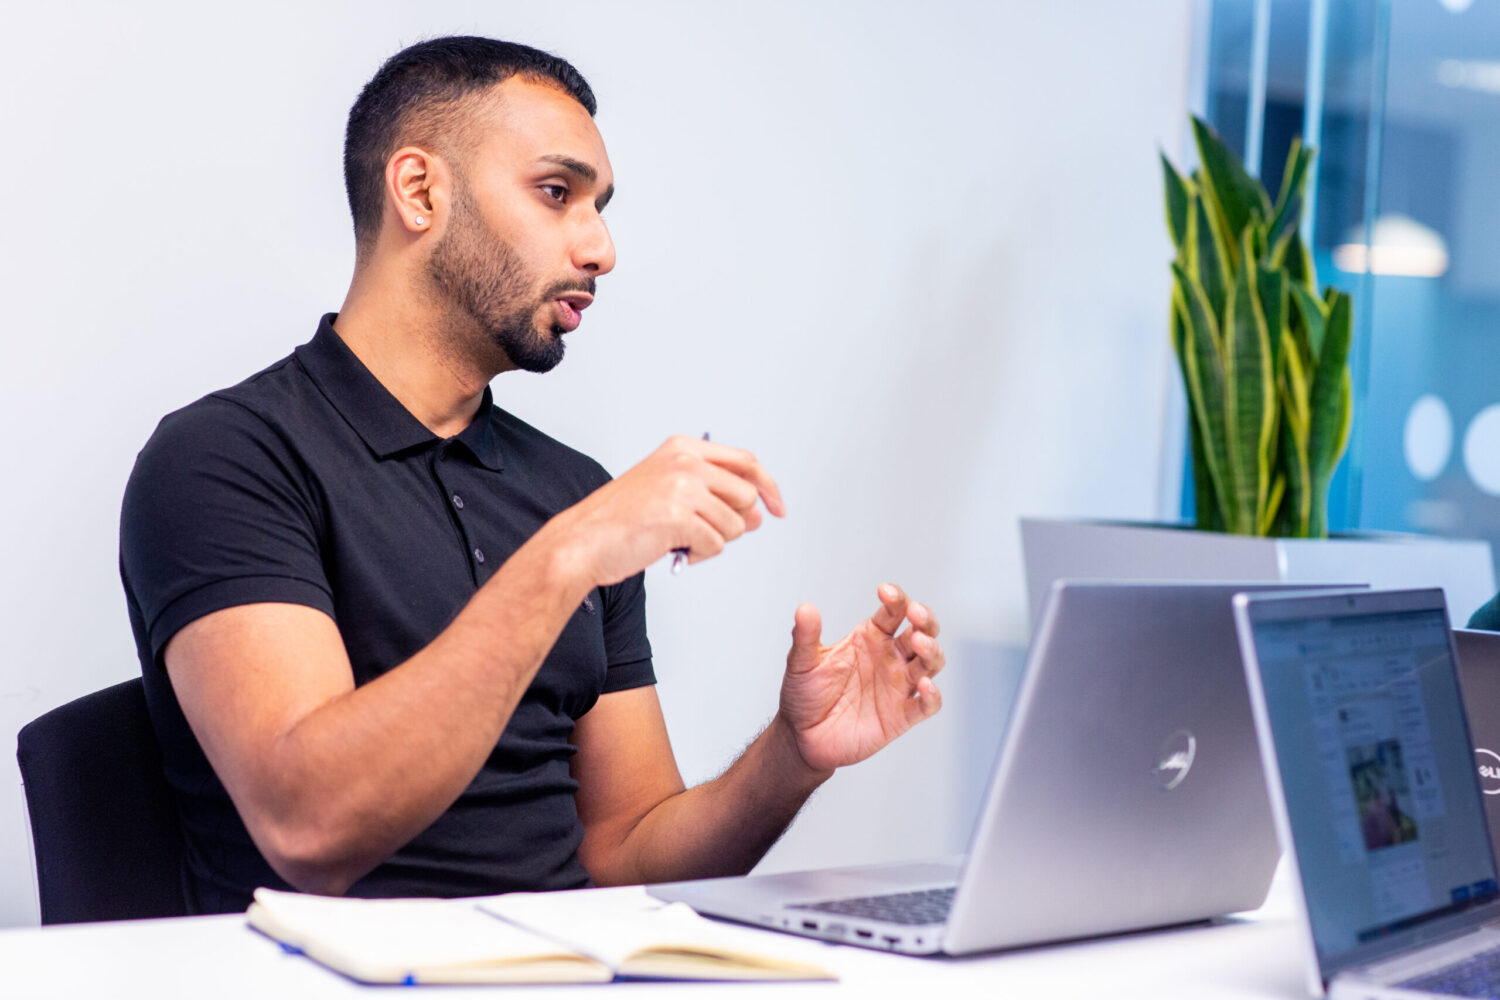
column 484, row 278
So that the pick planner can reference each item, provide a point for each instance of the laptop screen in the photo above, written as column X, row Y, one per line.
column 1377, row 771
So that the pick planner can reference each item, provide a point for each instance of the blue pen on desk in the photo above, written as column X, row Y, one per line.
column 680, row 556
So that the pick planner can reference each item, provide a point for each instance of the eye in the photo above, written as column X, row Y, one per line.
column 556, row 192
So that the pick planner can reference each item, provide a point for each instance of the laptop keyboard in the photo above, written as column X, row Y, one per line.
column 1473, row 977
column 925, row 906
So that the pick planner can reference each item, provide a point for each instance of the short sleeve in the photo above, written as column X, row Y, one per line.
column 627, row 650
column 217, row 513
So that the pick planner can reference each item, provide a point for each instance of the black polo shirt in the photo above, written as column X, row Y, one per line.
column 310, row 484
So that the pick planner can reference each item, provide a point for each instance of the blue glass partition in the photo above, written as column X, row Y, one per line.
column 1403, row 102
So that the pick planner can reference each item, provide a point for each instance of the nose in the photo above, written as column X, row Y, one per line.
column 593, row 249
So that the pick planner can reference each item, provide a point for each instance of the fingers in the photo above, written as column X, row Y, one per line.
column 918, row 644
column 925, row 703
column 922, row 618
column 921, row 650
column 892, row 608
column 720, row 485
column 927, row 663
column 710, row 505
column 737, row 493
column 723, row 520
column 807, row 639
column 923, row 621
column 743, row 465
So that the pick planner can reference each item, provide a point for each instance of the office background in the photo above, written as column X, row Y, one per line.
column 1403, row 99
column 913, row 256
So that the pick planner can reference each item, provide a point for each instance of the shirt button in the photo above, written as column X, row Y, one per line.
column 458, row 501
column 478, row 555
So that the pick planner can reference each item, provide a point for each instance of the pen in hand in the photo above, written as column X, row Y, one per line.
column 680, row 556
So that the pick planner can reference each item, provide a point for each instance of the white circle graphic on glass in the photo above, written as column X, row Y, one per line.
column 1488, row 762
column 1428, row 439
column 1482, row 450
column 1174, row 759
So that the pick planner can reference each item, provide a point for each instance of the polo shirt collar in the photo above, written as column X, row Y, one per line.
column 480, row 436
column 378, row 417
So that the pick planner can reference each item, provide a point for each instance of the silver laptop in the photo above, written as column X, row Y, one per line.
column 1126, row 794
column 1479, row 670
column 1370, row 767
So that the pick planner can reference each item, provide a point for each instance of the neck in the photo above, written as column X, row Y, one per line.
column 406, row 339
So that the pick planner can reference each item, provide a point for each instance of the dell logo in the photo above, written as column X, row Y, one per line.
column 1489, row 770
column 1175, row 759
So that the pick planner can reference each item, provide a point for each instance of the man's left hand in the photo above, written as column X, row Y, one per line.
column 846, row 701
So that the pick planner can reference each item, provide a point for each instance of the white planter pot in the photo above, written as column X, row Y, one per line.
column 1105, row 550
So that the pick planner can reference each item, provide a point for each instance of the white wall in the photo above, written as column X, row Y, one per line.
column 914, row 258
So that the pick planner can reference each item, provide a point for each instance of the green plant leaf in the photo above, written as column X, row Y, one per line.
column 1327, row 431
column 1314, row 316
column 1239, row 196
column 1250, row 398
column 1273, row 508
column 1273, row 303
column 1178, row 321
column 1293, row 386
column 1187, row 253
column 1287, row 217
column 1203, row 371
column 1212, row 256
column 1297, row 509
column 1299, row 263
column 1345, row 418
column 1205, row 502
column 1257, row 244
column 1272, row 285
column 1318, row 527
column 1179, row 195
column 1225, row 240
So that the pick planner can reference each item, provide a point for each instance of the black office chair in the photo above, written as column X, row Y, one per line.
column 103, row 820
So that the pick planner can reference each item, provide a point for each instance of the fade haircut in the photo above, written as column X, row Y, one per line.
column 423, row 95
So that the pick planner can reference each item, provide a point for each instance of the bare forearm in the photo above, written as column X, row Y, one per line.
column 365, row 772
column 721, row 827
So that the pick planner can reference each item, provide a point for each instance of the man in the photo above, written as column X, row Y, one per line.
column 393, row 638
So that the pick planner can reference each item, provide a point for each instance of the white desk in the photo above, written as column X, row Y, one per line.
column 209, row 958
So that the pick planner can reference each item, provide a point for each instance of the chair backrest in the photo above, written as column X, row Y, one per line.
column 103, row 820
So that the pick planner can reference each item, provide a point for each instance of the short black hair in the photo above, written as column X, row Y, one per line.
column 416, row 96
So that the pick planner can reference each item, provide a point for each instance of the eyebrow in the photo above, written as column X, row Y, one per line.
column 583, row 170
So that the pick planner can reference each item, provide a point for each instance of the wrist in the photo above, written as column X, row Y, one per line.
column 783, row 743
column 564, row 558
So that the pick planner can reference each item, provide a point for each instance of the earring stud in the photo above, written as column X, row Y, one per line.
column 421, row 221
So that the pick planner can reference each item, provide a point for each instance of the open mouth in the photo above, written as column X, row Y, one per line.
column 570, row 309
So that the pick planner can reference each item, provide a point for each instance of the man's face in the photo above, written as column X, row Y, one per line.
column 524, row 239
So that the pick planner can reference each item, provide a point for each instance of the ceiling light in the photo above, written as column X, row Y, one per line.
column 1402, row 247
column 1482, row 75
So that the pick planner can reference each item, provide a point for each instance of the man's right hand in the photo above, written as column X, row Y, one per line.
column 688, row 494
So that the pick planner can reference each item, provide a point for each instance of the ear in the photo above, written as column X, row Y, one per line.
column 416, row 187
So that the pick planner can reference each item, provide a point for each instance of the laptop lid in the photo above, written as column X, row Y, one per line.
column 1370, row 767
column 1479, row 670
column 1127, row 792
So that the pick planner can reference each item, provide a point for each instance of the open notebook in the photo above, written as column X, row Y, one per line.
column 569, row 937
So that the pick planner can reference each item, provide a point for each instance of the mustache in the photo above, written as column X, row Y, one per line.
column 563, row 287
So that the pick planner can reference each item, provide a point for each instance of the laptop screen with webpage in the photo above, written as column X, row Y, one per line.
column 1376, row 767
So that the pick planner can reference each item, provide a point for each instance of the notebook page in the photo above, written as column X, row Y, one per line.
column 612, row 927
column 387, row 940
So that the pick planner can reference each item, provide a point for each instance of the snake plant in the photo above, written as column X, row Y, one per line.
column 1264, row 356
